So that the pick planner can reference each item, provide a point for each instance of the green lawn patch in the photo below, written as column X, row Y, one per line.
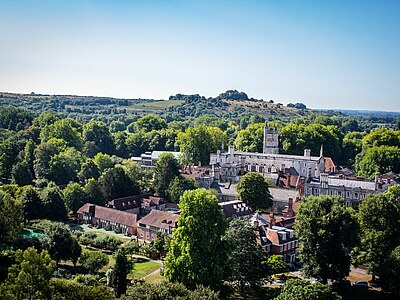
column 143, row 268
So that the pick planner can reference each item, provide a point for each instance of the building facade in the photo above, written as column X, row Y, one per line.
column 229, row 166
column 108, row 218
column 156, row 221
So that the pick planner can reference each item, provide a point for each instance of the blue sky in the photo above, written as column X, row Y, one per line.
column 326, row 54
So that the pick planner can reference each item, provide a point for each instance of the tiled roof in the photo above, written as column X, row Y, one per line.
column 282, row 194
column 235, row 208
column 160, row 219
column 275, row 235
column 125, row 203
column 110, row 214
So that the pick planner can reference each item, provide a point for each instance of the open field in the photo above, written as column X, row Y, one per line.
column 153, row 105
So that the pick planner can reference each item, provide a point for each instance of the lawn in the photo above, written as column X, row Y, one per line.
column 100, row 231
column 143, row 267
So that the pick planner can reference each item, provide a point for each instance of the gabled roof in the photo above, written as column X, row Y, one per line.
column 109, row 214
column 126, row 203
column 160, row 219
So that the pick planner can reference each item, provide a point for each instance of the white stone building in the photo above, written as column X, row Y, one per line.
column 231, row 165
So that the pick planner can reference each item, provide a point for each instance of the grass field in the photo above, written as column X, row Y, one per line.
column 153, row 105
column 143, row 268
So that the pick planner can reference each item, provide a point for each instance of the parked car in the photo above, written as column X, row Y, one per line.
column 341, row 284
column 361, row 284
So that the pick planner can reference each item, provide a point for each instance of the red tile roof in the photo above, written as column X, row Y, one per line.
column 160, row 219
column 110, row 214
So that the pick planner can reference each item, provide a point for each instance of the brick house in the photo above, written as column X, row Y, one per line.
column 276, row 239
column 108, row 218
column 130, row 204
column 235, row 209
column 138, row 204
column 155, row 221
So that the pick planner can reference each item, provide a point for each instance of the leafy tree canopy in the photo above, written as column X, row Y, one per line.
column 253, row 190
column 197, row 254
column 328, row 231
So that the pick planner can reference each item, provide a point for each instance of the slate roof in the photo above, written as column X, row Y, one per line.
column 109, row 214
column 235, row 208
column 126, row 203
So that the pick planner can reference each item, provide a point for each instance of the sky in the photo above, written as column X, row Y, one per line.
column 325, row 54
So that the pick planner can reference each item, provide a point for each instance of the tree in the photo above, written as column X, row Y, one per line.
column 7, row 158
column 32, row 206
column 11, row 219
column 117, row 126
column 276, row 264
column 43, row 154
column 103, row 161
column 197, row 253
column 58, row 241
column 74, row 196
column 378, row 159
column 63, row 289
column 30, row 276
column 121, row 149
column 253, row 190
column 328, row 231
column 54, row 206
column 117, row 184
column 121, row 269
column 94, row 193
column 46, row 118
column 167, row 169
column 98, row 133
column 88, row 170
column 168, row 291
column 150, row 122
column 21, row 174
column 296, row 289
column 179, row 185
column 159, row 243
column 246, row 256
column 294, row 138
column 379, row 216
column 390, row 273
column 65, row 129
column 197, row 143
column 64, row 166
column 93, row 261
column 251, row 138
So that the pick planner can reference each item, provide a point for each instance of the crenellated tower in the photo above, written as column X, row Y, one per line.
column 271, row 141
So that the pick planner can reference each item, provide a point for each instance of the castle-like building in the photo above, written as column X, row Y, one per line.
column 229, row 166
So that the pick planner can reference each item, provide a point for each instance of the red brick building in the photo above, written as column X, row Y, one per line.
column 155, row 221
column 108, row 218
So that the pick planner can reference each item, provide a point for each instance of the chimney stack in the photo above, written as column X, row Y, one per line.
column 272, row 220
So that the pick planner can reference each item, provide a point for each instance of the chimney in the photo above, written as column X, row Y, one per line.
column 290, row 204
column 231, row 149
column 321, row 151
column 272, row 220
column 92, row 209
column 307, row 152
column 255, row 224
